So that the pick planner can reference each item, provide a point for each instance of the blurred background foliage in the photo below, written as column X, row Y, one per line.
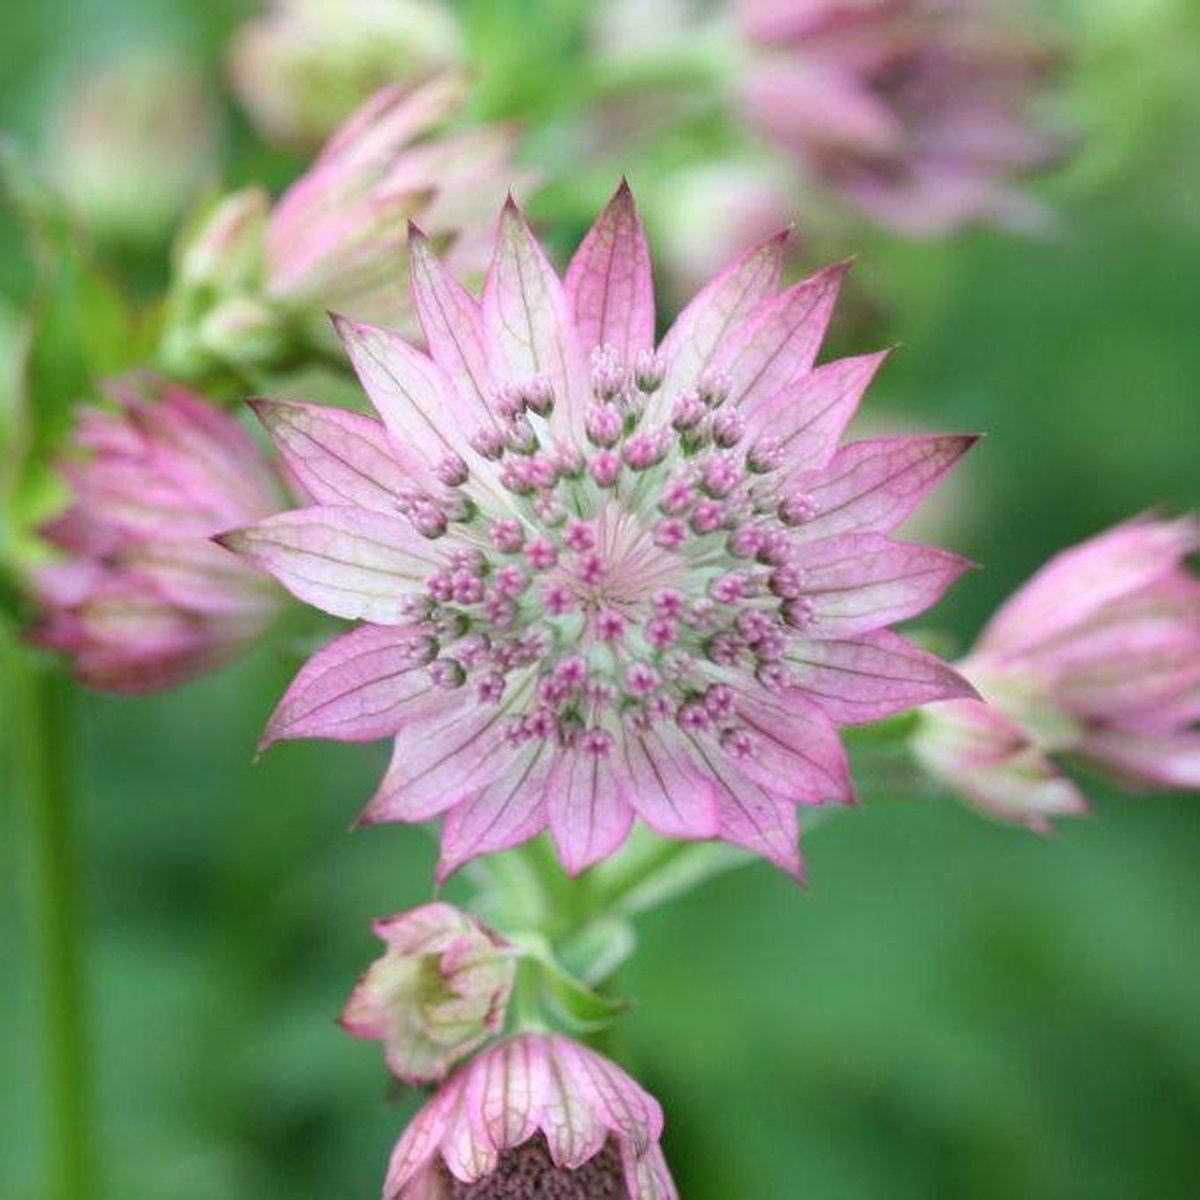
column 953, row 1009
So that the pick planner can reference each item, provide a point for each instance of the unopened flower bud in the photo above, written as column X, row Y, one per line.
column 728, row 428
column 440, row 989
column 538, row 395
column 224, row 252
column 714, row 388
column 649, row 371
column 242, row 331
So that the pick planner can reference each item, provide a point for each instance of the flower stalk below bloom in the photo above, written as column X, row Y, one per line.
column 41, row 700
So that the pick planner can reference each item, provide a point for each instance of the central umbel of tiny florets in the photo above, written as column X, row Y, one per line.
column 625, row 579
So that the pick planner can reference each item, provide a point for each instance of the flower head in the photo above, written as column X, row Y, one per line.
column 1096, row 658
column 914, row 109
column 144, row 599
column 603, row 579
column 537, row 1115
column 253, row 278
column 304, row 65
column 441, row 988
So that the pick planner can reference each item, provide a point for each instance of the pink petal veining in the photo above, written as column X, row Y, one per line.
column 605, row 581
column 543, row 1099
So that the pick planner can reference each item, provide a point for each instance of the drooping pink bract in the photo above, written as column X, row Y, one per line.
column 536, row 1115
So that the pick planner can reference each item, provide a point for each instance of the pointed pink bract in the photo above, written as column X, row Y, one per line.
column 609, row 282
column 542, row 1105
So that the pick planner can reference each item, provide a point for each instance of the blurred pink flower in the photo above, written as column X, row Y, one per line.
column 538, row 1115
column 438, row 992
column 303, row 66
column 336, row 237
column 603, row 580
column 1097, row 658
column 143, row 599
column 252, row 277
column 917, row 110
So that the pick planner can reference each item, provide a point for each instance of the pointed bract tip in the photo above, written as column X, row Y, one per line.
column 264, row 409
column 444, row 871
column 416, row 233
column 231, row 539
column 798, row 870
column 270, row 735
column 365, row 819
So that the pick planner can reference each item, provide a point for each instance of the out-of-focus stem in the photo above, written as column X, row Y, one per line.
column 42, row 711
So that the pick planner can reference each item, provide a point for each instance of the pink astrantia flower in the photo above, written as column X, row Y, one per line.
column 603, row 580
column 438, row 992
column 336, row 236
column 538, row 1115
column 1097, row 658
column 143, row 599
column 256, row 280
column 917, row 110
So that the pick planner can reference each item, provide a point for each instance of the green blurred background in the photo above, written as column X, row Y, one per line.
column 952, row 1009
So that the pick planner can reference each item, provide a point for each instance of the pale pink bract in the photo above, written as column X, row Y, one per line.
column 536, row 1115
column 918, row 111
column 602, row 580
column 142, row 598
column 1096, row 658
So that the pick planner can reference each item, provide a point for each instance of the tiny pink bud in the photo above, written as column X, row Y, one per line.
column 728, row 428
column 649, row 371
column 604, row 424
column 604, row 467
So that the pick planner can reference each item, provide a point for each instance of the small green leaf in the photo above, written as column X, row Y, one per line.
column 569, row 998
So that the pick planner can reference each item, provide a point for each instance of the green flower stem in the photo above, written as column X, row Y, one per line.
column 576, row 934
column 42, row 699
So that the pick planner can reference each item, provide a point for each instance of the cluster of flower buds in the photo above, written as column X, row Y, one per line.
column 142, row 598
column 535, row 1114
column 254, row 281
column 1097, row 660
column 915, row 110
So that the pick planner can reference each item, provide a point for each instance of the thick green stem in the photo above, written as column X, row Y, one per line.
column 43, row 702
